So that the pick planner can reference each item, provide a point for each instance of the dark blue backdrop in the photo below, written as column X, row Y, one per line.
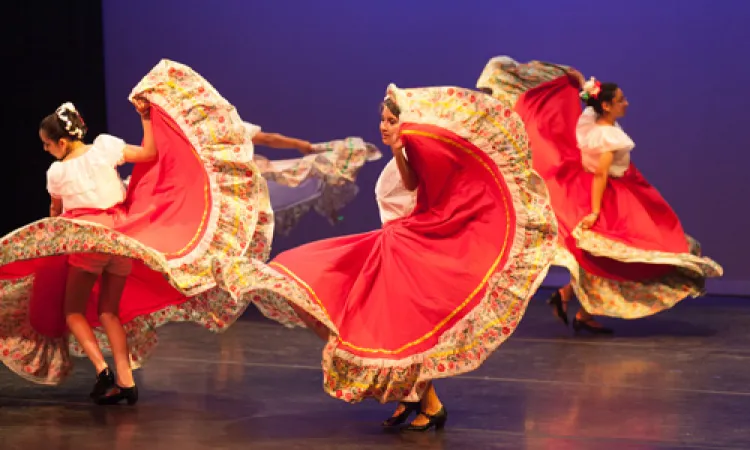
column 317, row 70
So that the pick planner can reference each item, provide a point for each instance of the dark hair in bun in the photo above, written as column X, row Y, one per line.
column 606, row 94
column 65, row 123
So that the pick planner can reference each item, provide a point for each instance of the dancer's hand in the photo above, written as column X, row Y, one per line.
column 577, row 75
column 306, row 148
column 589, row 220
column 397, row 146
column 143, row 106
column 395, row 142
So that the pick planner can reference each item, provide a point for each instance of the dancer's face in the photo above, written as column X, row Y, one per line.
column 54, row 148
column 389, row 129
column 618, row 106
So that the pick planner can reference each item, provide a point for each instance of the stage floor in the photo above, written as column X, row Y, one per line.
column 680, row 380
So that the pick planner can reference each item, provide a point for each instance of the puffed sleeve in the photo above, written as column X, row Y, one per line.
column 110, row 148
column 602, row 139
column 54, row 180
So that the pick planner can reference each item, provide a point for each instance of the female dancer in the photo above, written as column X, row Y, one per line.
column 624, row 246
column 433, row 293
column 199, row 200
column 83, row 181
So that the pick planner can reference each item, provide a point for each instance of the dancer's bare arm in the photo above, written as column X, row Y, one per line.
column 598, row 185
column 55, row 207
column 275, row 140
column 147, row 152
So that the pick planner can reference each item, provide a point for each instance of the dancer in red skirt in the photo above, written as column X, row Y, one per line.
column 624, row 246
column 83, row 184
column 123, row 265
column 441, row 285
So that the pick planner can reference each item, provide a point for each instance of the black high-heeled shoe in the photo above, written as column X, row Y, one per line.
column 438, row 421
column 104, row 382
column 556, row 301
column 579, row 325
column 409, row 407
column 112, row 398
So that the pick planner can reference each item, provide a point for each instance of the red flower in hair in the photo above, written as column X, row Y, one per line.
column 591, row 89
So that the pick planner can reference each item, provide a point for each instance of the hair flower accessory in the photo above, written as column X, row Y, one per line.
column 591, row 89
column 63, row 113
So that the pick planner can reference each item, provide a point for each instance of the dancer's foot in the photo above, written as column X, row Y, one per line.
column 403, row 411
column 117, row 394
column 429, row 418
column 559, row 306
column 124, row 375
column 584, row 321
column 105, row 380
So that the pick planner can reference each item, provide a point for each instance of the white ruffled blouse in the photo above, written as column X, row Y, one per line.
column 394, row 200
column 90, row 180
column 594, row 139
